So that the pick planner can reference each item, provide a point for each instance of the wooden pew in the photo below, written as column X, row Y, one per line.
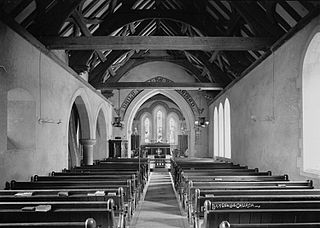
column 117, row 195
column 129, row 191
column 136, row 184
column 197, row 210
column 19, row 212
column 178, row 166
column 226, row 224
column 88, row 223
column 140, row 178
column 261, row 212
column 234, row 178
column 115, row 166
column 189, row 193
column 219, row 172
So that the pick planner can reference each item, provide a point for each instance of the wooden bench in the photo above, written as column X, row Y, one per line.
column 88, row 223
column 136, row 183
column 19, row 212
column 226, row 224
column 196, row 209
column 117, row 195
column 186, row 179
column 130, row 196
column 188, row 194
column 219, row 172
column 115, row 166
column 261, row 212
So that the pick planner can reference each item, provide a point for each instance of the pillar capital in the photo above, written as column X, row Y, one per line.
column 88, row 142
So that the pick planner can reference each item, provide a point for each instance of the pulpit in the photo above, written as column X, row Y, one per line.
column 118, row 148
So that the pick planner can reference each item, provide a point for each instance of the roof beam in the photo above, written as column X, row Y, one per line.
column 157, row 43
column 160, row 85
column 84, row 29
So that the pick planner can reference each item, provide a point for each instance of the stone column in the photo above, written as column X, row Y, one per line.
column 87, row 145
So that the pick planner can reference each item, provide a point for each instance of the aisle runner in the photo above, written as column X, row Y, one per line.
column 160, row 206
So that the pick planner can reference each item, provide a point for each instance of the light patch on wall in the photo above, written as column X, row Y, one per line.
column 21, row 119
column 311, row 106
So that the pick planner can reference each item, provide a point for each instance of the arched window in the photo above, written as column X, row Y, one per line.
column 311, row 106
column 215, row 132
column 227, row 129
column 172, row 131
column 159, row 125
column 147, row 130
column 221, row 131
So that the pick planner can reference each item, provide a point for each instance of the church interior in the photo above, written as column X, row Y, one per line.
column 159, row 113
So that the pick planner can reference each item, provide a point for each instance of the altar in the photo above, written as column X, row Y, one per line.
column 158, row 153
column 157, row 149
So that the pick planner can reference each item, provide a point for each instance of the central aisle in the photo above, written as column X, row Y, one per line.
column 160, row 207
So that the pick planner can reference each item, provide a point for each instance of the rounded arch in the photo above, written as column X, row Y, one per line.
column 154, row 104
column 174, row 96
column 227, row 129
column 159, row 130
column 100, row 149
column 173, row 128
column 78, row 126
column 146, row 137
column 215, row 132
column 311, row 103
column 81, row 100
column 221, row 130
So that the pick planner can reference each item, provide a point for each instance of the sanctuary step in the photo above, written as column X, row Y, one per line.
column 160, row 206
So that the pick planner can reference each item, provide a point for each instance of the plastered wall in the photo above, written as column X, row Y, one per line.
column 266, row 110
column 52, row 89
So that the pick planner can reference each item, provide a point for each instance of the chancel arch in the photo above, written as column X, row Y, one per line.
column 175, row 97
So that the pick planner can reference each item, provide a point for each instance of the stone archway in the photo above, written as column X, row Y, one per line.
column 174, row 96
column 78, row 128
column 100, row 149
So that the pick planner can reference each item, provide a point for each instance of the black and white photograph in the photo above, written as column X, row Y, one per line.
column 160, row 113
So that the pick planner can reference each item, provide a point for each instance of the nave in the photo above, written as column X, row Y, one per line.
column 121, row 193
column 160, row 207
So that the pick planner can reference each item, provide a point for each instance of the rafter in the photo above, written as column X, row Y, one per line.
column 84, row 29
column 121, row 18
column 48, row 21
column 217, row 74
column 157, row 43
column 257, row 19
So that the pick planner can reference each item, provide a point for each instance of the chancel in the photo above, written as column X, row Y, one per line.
column 160, row 113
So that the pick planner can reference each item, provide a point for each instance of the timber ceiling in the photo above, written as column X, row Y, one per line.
column 236, row 35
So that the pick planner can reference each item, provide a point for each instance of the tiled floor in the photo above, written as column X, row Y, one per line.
column 160, row 207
